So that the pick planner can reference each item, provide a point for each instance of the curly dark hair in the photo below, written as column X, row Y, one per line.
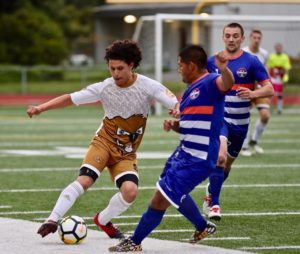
column 125, row 50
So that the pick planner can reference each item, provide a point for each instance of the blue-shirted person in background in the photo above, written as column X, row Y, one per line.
column 247, row 69
column 201, row 114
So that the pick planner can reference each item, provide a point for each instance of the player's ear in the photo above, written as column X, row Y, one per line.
column 131, row 65
column 243, row 38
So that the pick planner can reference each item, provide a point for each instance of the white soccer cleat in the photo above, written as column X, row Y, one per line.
column 215, row 213
column 258, row 149
column 207, row 201
column 246, row 152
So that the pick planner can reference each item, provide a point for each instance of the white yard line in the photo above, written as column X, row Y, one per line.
column 291, row 185
column 5, row 206
column 290, row 213
column 284, row 247
column 262, row 166
column 153, row 188
column 223, row 239
column 144, row 142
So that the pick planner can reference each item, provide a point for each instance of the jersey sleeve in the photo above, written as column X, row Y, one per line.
column 259, row 70
column 90, row 94
column 211, row 67
column 213, row 87
column 163, row 95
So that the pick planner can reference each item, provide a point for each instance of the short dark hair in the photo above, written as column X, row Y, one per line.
column 195, row 54
column 235, row 25
column 125, row 50
column 255, row 31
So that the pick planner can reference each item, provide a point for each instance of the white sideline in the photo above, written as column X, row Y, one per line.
column 24, row 240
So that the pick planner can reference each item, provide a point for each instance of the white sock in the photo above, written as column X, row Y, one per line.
column 66, row 200
column 259, row 129
column 116, row 206
column 246, row 142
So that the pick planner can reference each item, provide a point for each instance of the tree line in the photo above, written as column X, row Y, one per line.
column 45, row 32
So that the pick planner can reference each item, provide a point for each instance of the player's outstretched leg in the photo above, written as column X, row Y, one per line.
column 47, row 228
column 65, row 201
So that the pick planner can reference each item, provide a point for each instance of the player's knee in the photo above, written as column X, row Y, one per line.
column 129, row 191
column 128, row 185
column 85, row 181
column 221, row 160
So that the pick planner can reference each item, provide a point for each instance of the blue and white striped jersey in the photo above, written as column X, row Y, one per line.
column 246, row 69
column 202, row 109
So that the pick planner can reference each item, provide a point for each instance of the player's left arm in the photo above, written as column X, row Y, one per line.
column 265, row 91
column 261, row 76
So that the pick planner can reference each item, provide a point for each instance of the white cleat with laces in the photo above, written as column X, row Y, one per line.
column 215, row 213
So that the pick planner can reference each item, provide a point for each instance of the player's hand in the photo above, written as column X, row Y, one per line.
column 170, row 124
column 221, row 60
column 244, row 93
column 33, row 110
column 175, row 112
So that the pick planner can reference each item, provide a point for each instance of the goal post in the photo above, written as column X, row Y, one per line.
column 159, row 19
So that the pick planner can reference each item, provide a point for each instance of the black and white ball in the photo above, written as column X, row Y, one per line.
column 72, row 229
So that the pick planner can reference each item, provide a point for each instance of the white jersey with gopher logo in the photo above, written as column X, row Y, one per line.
column 125, row 109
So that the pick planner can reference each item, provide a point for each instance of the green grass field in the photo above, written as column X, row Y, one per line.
column 260, row 200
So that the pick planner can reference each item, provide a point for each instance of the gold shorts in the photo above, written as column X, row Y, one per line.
column 102, row 153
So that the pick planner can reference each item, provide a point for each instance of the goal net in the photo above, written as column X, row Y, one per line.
column 163, row 35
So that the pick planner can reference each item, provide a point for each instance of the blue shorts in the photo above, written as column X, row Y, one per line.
column 182, row 173
column 235, row 138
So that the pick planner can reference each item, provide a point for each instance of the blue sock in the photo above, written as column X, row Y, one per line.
column 216, row 180
column 190, row 210
column 149, row 221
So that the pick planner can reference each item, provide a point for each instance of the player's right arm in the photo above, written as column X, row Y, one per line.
column 226, row 80
column 58, row 102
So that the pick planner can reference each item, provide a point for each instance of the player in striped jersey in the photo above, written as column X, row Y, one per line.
column 247, row 69
column 202, row 109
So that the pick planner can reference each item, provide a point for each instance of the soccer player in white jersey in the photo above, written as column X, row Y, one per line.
column 262, row 104
column 126, row 98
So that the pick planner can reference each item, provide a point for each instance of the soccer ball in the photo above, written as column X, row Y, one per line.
column 72, row 230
